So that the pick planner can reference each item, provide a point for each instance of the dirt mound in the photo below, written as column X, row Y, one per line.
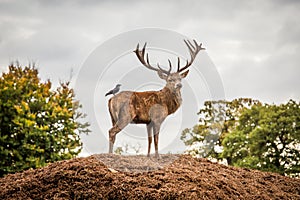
column 185, row 178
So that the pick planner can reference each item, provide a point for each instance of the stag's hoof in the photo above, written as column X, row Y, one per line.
column 157, row 156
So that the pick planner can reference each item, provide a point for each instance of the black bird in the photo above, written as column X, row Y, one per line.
column 115, row 90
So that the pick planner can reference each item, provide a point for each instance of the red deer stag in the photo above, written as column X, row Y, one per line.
column 150, row 107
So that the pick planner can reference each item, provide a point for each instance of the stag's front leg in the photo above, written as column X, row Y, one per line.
column 156, row 128
column 149, row 131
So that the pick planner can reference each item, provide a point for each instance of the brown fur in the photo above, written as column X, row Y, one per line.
column 142, row 102
column 150, row 107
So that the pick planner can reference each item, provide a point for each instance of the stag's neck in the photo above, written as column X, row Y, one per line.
column 172, row 99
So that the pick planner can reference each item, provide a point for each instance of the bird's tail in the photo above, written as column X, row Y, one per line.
column 110, row 92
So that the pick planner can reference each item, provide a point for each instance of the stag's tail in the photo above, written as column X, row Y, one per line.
column 112, row 112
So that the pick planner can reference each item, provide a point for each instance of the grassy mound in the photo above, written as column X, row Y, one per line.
column 139, row 177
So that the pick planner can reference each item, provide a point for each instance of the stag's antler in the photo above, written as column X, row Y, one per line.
column 141, row 56
column 194, row 50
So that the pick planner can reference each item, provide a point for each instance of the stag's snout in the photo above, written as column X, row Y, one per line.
column 178, row 85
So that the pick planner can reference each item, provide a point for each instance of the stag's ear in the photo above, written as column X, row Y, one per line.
column 184, row 74
column 162, row 75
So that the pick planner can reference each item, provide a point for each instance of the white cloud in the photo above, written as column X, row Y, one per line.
column 254, row 44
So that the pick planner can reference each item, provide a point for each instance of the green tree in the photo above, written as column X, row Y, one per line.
column 38, row 125
column 267, row 138
column 216, row 120
column 248, row 134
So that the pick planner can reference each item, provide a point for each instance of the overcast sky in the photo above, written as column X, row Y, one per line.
column 254, row 45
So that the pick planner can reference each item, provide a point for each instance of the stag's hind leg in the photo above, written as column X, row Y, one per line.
column 112, row 137
column 123, row 120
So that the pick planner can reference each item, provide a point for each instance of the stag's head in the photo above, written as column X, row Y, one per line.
column 173, row 79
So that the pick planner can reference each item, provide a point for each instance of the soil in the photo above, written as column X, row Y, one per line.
column 139, row 177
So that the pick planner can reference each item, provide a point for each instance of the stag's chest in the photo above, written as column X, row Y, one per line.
column 173, row 104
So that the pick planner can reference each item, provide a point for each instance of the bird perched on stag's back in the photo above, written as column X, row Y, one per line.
column 114, row 91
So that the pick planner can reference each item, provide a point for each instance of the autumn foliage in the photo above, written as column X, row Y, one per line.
column 38, row 125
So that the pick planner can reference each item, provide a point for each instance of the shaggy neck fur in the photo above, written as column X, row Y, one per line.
column 172, row 99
